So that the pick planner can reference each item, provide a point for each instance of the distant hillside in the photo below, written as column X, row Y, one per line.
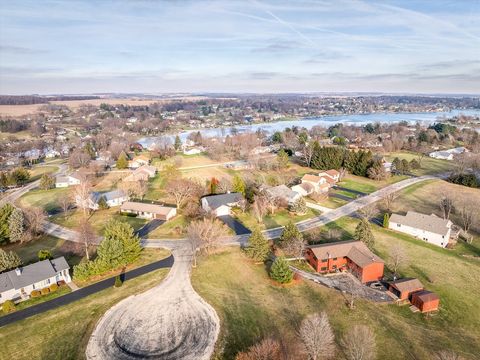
column 33, row 99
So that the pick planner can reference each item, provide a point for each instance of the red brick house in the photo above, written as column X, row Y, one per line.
column 352, row 255
column 404, row 288
column 425, row 301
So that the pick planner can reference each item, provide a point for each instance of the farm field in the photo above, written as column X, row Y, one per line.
column 66, row 330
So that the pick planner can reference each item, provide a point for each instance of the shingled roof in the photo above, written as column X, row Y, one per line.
column 215, row 201
column 431, row 223
column 356, row 251
column 407, row 285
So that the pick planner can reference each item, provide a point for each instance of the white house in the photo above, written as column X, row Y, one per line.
column 330, row 174
column 112, row 198
column 193, row 151
column 19, row 283
column 66, row 181
column 320, row 184
column 304, row 189
column 148, row 211
column 448, row 154
column 283, row 193
column 429, row 228
column 221, row 204
column 138, row 161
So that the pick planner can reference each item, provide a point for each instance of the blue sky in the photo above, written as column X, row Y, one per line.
column 239, row 46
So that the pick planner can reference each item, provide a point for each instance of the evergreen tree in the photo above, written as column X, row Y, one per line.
column 47, row 182
column 122, row 161
column 386, row 220
column 258, row 247
column 363, row 232
column 5, row 213
column 16, row 223
column 238, row 185
column 282, row 159
column 102, row 203
column 414, row 164
column 120, row 245
column 9, row 260
column 178, row 143
column 405, row 166
column 280, row 271
column 277, row 137
column 397, row 165
column 291, row 240
column 299, row 206
column 90, row 150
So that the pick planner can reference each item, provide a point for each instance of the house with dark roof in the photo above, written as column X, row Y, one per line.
column 429, row 228
column 112, row 198
column 282, row 193
column 354, row 256
column 19, row 283
column 425, row 301
column 221, row 204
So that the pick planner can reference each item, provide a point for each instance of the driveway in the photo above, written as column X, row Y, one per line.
column 149, row 227
column 170, row 321
column 235, row 225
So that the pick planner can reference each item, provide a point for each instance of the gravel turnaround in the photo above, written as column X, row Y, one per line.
column 170, row 321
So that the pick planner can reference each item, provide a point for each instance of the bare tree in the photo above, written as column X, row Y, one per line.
column 65, row 202
column 86, row 234
column 397, row 259
column 359, row 343
column 368, row 212
column 78, row 158
column 267, row 349
column 35, row 217
column 136, row 189
column 81, row 192
column 317, row 336
column 224, row 185
column 307, row 152
column 259, row 207
column 181, row 189
column 447, row 355
column 446, row 205
column 204, row 235
column 466, row 213
column 389, row 199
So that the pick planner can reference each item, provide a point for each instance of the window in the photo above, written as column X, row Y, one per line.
column 324, row 260
column 399, row 225
column 33, row 286
column 334, row 266
column 323, row 268
column 334, row 259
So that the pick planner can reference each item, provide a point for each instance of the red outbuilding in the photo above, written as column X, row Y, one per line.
column 352, row 255
column 404, row 288
column 425, row 301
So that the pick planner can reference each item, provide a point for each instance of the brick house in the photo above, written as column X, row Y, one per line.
column 346, row 255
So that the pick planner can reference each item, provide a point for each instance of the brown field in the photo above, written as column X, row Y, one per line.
column 21, row 110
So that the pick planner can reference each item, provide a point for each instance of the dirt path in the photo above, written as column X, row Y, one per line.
column 170, row 321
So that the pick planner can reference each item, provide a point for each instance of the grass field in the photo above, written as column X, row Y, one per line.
column 280, row 218
column 429, row 165
column 251, row 307
column 46, row 199
column 63, row 333
column 37, row 171
column 175, row 228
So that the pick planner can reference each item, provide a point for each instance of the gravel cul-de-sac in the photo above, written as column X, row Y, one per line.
column 169, row 321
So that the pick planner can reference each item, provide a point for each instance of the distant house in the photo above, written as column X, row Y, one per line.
column 425, row 301
column 62, row 181
column 148, row 211
column 143, row 173
column 304, row 189
column 429, row 228
column 193, row 151
column 51, row 153
column 330, row 174
column 19, row 283
column 112, row 199
column 319, row 183
column 221, row 204
column 352, row 255
column 282, row 193
column 138, row 161
column 404, row 288
column 448, row 154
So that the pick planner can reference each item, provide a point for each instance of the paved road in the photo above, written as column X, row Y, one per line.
column 83, row 292
column 170, row 321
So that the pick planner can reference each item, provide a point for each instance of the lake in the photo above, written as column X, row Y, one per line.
column 326, row 121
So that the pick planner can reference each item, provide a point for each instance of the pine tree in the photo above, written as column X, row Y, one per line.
column 280, row 271
column 291, row 240
column 16, row 223
column 102, row 203
column 238, row 184
column 282, row 159
column 178, row 143
column 258, row 247
column 5, row 213
column 386, row 220
column 47, row 182
column 9, row 260
column 122, row 161
column 363, row 232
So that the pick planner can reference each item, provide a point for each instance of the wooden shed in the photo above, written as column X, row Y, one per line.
column 425, row 301
column 405, row 287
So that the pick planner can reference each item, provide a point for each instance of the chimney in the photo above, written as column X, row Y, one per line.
column 18, row 271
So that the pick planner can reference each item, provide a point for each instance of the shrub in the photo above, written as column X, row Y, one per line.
column 118, row 281
column 35, row 293
column 386, row 220
column 280, row 271
column 45, row 291
column 53, row 287
column 44, row 255
column 8, row 306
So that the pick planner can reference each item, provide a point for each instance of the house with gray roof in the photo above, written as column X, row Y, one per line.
column 282, row 193
column 112, row 198
column 221, row 204
column 429, row 228
column 19, row 283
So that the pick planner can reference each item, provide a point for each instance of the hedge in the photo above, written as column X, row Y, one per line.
column 45, row 291
column 35, row 293
column 8, row 306
column 53, row 287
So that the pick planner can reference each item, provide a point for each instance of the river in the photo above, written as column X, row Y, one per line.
column 326, row 121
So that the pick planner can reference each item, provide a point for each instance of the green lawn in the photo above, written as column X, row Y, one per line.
column 174, row 228
column 46, row 199
column 37, row 171
column 280, row 218
column 331, row 202
column 429, row 165
column 63, row 333
column 358, row 184
column 251, row 307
